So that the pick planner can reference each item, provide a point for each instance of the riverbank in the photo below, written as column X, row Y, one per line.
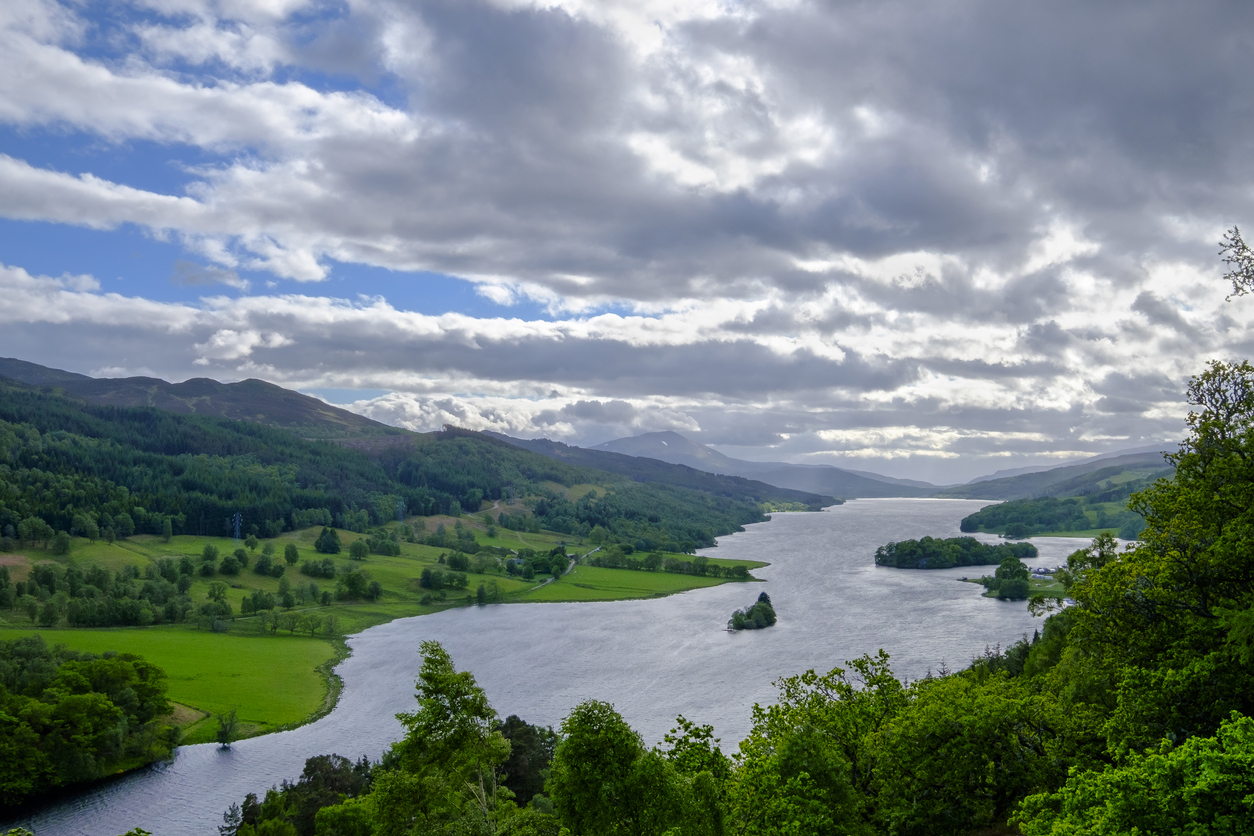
column 279, row 676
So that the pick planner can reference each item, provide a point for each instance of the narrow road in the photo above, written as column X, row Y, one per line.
column 569, row 569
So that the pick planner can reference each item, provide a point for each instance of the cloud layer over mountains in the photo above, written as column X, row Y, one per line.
column 930, row 239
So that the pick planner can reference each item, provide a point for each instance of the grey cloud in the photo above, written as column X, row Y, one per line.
column 601, row 412
column 190, row 274
column 1160, row 313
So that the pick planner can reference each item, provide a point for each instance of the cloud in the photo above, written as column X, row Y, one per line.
column 190, row 274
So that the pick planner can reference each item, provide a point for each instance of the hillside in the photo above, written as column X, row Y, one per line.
column 66, row 465
column 247, row 400
column 1078, row 504
column 1069, row 480
column 642, row 469
column 818, row 479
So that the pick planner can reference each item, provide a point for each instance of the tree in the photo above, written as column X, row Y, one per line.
column 451, row 748
column 1240, row 262
column 811, row 761
column 167, row 530
column 217, row 591
column 49, row 615
column 592, row 768
column 209, row 553
column 358, row 550
column 328, row 542
column 85, row 526
column 251, row 542
column 61, row 543
column 227, row 728
column 290, row 554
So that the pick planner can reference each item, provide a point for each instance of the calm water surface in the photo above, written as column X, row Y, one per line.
column 651, row 659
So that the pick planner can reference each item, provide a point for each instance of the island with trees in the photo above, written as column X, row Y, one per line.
column 935, row 553
column 756, row 617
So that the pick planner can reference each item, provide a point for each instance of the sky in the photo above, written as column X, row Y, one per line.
column 927, row 239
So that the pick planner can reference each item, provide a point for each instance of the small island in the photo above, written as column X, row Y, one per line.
column 933, row 553
column 756, row 617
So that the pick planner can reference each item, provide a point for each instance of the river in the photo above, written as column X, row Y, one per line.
column 652, row 659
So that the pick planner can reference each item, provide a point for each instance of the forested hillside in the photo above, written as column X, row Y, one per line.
column 1083, row 503
column 66, row 465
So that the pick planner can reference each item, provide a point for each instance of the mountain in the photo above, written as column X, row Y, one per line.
column 144, row 468
column 820, row 479
column 1068, row 480
column 644, row 469
column 248, row 400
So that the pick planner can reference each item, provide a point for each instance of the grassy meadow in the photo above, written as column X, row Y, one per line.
column 278, row 679
column 270, row 681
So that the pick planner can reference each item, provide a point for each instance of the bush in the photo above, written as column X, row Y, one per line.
column 324, row 568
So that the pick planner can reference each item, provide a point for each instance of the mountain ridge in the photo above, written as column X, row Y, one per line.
column 247, row 400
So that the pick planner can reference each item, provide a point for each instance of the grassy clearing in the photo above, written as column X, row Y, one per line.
column 271, row 681
column 591, row 583
column 577, row 492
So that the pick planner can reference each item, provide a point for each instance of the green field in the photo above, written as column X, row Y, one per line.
column 592, row 583
column 273, row 680
column 1036, row 586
